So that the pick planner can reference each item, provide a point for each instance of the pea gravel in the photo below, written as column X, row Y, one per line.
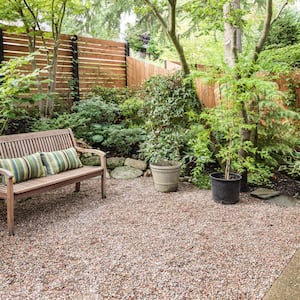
column 141, row 244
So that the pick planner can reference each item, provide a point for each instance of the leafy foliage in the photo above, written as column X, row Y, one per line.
column 125, row 140
column 291, row 165
column 282, row 59
column 285, row 31
column 168, row 101
column 132, row 110
column 12, row 84
column 110, row 95
column 102, row 123
column 270, row 124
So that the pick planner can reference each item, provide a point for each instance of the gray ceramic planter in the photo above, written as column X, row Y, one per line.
column 166, row 175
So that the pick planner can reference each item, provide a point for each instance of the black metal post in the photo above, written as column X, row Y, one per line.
column 1, row 51
column 75, row 68
column 1, row 46
column 127, row 49
column 127, row 53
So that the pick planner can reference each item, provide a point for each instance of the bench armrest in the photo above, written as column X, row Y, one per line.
column 8, row 176
column 100, row 153
column 6, row 173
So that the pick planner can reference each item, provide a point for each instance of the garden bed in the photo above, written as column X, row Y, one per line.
column 142, row 244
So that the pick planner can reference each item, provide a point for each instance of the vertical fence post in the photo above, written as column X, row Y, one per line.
column 127, row 53
column 1, row 50
column 1, row 46
column 75, row 71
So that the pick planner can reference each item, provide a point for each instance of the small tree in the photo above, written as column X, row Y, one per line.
column 33, row 13
column 12, row 84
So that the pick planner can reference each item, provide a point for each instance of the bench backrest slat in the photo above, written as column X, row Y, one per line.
column 17, row 145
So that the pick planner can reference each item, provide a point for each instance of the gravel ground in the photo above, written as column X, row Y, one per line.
column 141, row 244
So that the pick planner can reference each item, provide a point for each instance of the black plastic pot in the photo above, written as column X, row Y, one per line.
column 225, row 191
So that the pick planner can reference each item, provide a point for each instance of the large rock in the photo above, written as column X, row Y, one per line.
column 125, row 172
column 92, row 160
column 135, row 163
column 264, row 193
column 114, row 162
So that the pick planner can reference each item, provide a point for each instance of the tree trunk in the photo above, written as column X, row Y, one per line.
column 232, row 34
column 179, row 49
column 170, row 28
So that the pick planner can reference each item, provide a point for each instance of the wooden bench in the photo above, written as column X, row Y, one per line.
column 19, row 145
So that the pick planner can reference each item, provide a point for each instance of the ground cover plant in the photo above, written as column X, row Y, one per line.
column 107, row 119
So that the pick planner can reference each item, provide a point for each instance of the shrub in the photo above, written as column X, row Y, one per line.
column 132, row 111
column 101, row 124
column 168, row 102
column 123, row 141
column 110, row 95
column 12, row 84
column 251, row 129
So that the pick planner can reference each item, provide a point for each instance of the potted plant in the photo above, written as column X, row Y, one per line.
column 168, row 101
column 224, row 124
column 166, row 175
column 161, row 149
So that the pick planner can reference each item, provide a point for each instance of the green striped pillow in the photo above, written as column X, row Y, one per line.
column 17, row 166
column 59, row 161
column 35, row 165
column 23, row 168
column 73, row 160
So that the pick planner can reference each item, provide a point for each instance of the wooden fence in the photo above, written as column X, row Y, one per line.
column 138, row 71
column 105, row 63
column 100, row 62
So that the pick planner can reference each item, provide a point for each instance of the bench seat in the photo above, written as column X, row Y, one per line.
column 38, row 185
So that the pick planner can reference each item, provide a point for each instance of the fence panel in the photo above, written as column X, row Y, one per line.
column 100, row 62
column 105, row 63
column 138, row 71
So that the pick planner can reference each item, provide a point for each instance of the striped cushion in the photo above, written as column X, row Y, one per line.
column 23, row 168
column 59, row 161
column 17, row 166
column 73, row 160
column 35, row 165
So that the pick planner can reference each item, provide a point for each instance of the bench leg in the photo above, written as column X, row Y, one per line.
column 10, row 211
column 77, row 187
column 103, row 185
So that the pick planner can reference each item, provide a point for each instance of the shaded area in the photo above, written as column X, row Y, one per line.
column 287, row 286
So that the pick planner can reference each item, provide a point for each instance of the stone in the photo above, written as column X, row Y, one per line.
column 283, row 200
column 114, row 162
column 264, row 193
column 135, row 163
column 92, row 160
column 125, row 172
column 148, row 173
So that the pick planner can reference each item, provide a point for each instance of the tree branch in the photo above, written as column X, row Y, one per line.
column 280, row 11
column 157, row 14
column 265, row 31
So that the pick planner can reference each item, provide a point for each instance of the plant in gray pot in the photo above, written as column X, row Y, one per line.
column 166, row 175
column 168, row 101
column 162, row 152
